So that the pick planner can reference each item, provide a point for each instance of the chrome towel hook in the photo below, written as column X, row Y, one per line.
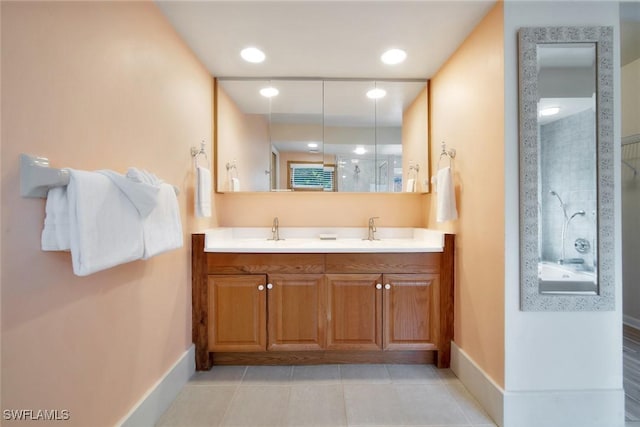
column 195, row 153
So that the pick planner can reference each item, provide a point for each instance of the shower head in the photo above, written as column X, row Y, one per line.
column 580, row 212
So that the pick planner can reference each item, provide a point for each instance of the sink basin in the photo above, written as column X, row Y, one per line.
column 307, row 240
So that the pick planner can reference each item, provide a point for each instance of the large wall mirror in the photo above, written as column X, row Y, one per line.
column 322, row 135
column 566, row 168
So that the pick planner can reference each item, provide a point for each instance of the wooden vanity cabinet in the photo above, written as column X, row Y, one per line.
column 322, row 308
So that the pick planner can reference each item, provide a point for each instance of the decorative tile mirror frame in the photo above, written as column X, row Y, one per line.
column 557, row 293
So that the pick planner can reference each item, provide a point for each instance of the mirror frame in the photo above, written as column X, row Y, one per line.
column 530, row 297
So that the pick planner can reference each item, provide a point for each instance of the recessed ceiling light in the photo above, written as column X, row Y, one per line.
column 312, row 145
column 549, row 111
column 269, row 92
column 252, row 54
column 360, row 150
column 376, row 93
column 393, row 56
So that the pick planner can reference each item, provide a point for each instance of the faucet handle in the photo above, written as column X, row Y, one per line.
column 372, row 219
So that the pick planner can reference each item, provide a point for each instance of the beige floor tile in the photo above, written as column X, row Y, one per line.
column 469, row 405
column 258, row 406
column 364, row 374
column 316, row 374
column 219, row 375
column 372, row 405
column 414, row 374
column 447, row 375
column 316, row 405
column 428, row 404
column 198, row 406
column 267, row 375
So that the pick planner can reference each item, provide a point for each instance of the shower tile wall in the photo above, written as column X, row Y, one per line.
column 568, row 160
column 360, row 174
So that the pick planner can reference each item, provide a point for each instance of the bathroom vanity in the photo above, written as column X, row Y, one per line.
column 303, row 300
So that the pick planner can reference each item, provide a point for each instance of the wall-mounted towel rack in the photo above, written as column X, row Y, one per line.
column 37, row 177
column 195, row 153
column 447, row 154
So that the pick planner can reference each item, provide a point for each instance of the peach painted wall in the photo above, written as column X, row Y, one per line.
column 94, row 85
column 243, row 138
column 300, row 209
column 467, row 111
column 415, row 139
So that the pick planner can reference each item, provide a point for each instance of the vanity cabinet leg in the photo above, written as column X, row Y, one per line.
column 199, row 298
column 446, row 302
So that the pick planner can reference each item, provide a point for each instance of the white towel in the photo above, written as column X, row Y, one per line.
column 446, row 200
column 411, row 185
column 203, row 193
column 139, row 186
column 55, row 234
column 105, row 228
column 162, row 229
column 235, row 184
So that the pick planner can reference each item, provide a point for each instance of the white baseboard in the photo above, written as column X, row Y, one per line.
column 631, row 321
column 565, row 408
column 480, row 385
column 159, row 397
column 548, row 408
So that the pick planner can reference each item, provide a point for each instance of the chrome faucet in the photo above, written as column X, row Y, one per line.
column 372, row 228
column 275, row 230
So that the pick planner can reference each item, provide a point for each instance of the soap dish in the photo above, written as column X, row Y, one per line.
column 328, row 236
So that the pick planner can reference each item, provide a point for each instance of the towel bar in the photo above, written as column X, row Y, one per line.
column 37, row 177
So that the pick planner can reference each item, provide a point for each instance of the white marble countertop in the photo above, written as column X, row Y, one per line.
column 307, row 240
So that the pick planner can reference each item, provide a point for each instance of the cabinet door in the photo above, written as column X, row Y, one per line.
column 411, row 310
column 354, row 312
column 297, row 313
column 237, row 313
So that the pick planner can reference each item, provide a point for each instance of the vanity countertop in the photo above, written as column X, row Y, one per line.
column 307, row 240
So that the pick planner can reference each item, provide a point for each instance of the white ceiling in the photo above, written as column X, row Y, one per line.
column 324, row 38
column 629, row 32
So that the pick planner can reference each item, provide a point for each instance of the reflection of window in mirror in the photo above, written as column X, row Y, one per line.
column 310, row 176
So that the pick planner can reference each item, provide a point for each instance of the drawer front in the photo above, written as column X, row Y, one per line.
column 417, row 262
column 240, row 263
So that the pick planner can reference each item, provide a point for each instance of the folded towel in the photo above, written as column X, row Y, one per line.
column 446, row 200
column 55, row 234
column 162, row 229
column 141, row 175
column 105, row 227
column 139, row 186
column 203, row 193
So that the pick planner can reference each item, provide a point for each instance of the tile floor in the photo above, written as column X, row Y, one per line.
column 326, row 396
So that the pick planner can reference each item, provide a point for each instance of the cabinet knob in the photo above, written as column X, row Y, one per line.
column 261, row 287
column 379, row 286
column 387, row 286
column 269, row 286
